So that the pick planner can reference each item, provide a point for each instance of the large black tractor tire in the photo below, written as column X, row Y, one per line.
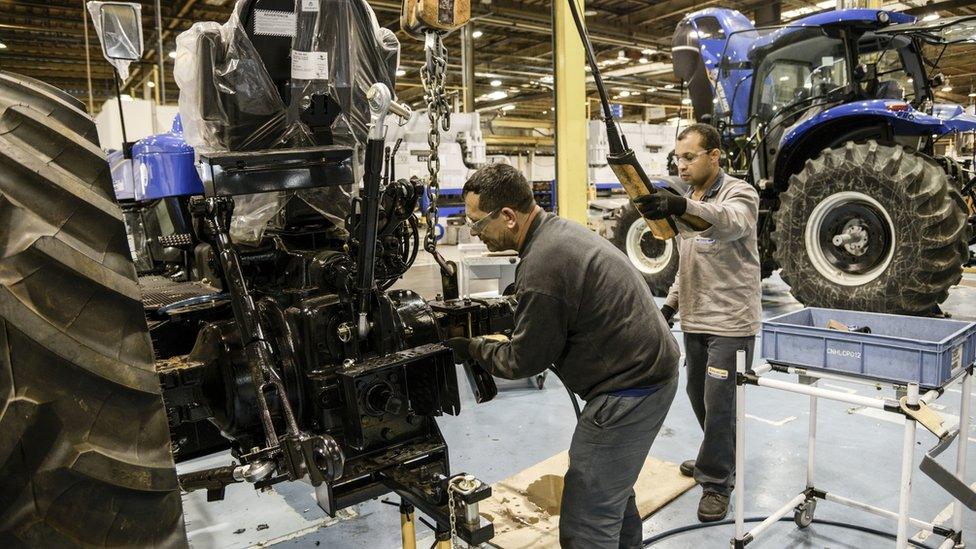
column 871, row 227
column 84, row 444
column 656, row 259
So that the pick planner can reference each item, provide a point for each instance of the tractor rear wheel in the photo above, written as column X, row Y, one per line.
column 84, row 444
column 871, row 227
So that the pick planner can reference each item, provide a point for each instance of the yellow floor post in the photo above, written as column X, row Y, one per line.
column 571, row 124
column 408, row 530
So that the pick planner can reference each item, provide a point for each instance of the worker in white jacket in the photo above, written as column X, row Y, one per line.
column 717, row 292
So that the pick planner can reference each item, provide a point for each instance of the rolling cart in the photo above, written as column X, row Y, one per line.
column 918, row 358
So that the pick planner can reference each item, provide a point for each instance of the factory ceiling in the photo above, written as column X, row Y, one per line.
column 513, row 48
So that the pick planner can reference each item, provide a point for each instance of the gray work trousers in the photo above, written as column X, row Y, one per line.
column 711, row 389
column 610, row 444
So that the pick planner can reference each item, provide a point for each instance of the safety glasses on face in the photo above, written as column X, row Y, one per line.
column 477, row 226
column 689, row 158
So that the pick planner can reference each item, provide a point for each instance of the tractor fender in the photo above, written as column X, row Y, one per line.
column 903, row 119
column 875, row 118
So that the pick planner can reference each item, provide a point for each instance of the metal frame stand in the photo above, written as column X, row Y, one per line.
column 804, row 503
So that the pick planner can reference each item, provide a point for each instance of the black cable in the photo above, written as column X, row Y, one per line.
column 572, row 395
column 691, row 527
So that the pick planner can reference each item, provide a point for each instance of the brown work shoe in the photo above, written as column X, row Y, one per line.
column 712, row 507
column 687, row 468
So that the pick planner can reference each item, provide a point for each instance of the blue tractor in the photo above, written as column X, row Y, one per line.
column 833, row 119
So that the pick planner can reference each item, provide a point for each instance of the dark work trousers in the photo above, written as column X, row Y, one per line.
column 610, row 444
column 711, row 389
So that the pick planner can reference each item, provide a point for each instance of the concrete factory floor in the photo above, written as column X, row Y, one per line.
column 858, row 455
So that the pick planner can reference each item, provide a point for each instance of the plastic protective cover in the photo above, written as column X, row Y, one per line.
column 228, row 100
column 340, row 50
column 111, row 37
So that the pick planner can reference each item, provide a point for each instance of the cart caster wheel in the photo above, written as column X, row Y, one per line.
column 803, row 515
column 540, row 381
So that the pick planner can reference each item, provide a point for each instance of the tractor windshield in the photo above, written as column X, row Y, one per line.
column 804, row 66
column 892, row 65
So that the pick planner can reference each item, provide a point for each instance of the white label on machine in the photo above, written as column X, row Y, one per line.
column 957, row 358
column 309, row 65
column 274, row 23
column 310, row 5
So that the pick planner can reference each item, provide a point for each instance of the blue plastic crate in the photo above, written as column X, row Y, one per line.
column 900, row 349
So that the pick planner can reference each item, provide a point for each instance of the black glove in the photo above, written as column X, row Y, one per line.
column 460, row 347
column 660, row 205
column 668, row 312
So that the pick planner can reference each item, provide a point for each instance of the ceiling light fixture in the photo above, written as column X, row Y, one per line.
column 401, row 72
column 652, row 89
column 497, row 95
column 477, row 34
column 151, row 84
column 508, row 107
column 172, row 54
column 495, row 83
column 642, row 60
column 625, row 93
column 931, row 17
column 686, row 101
column 669, row 86
column 3, row 46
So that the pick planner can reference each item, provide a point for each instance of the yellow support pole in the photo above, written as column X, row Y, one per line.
column 408, row 530
column 571, row 128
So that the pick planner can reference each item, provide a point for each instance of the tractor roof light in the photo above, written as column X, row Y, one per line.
column 883, row 17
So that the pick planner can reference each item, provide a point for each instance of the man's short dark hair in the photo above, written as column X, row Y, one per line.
column 708, row 135
column 500, row 186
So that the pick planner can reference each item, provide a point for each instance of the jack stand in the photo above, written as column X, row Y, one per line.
column 408, row 530
column 443, row 540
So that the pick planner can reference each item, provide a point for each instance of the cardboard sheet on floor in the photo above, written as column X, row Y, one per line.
column 525, row 506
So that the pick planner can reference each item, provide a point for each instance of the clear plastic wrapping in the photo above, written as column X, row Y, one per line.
column 118, row 47
column 273, row 77
column 338, row 52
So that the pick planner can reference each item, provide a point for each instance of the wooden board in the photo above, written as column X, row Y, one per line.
column 525, row 506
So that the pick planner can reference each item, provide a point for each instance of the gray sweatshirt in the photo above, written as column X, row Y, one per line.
column 583, row 307
column 718, row 289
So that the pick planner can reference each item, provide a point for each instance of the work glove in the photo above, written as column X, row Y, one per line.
column 460, row 347
column 668, row 312
column 661, row 205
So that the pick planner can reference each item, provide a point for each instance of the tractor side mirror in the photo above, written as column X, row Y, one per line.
column 120, row 29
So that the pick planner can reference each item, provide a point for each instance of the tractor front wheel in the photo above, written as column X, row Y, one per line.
column 656, row 259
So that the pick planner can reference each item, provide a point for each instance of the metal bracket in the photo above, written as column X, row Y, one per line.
column 943, row 477
column 925, row 416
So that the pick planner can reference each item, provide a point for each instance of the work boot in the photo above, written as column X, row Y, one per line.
column 687, row 468
column 712, row 507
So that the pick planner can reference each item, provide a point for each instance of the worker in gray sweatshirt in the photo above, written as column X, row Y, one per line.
column 585, row 309
column 718, row 293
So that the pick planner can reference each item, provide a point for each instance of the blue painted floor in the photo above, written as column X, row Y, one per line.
column 858, row 456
